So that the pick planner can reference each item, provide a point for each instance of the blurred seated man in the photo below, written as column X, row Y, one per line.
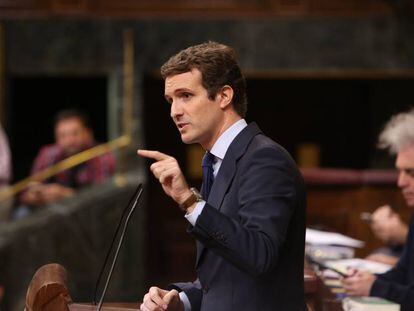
column 387, row 226
column 73, row 135
column 397, row 284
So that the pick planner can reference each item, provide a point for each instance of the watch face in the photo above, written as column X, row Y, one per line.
column 197, row 194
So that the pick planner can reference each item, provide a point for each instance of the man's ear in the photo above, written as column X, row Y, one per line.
column 226, row 96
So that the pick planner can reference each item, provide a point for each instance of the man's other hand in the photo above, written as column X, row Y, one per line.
column 39, row 194
column 158, row 299
column 168, row 172
column 388, row 226
column 55, row 192
column 359, row 283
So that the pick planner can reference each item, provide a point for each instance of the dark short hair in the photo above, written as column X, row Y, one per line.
column 70, row 114
column 218, row 66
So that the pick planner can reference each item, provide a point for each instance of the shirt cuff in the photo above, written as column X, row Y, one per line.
column 186, row 302
column 192, row 217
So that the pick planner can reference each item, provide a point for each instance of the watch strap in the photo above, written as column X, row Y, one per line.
column 194, row 197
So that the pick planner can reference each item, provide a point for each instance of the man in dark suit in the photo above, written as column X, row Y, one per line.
column 249, row 221
column 398, row 283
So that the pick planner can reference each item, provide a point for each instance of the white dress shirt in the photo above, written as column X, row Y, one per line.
column 219, row 150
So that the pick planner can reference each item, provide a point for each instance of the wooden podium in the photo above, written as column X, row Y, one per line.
column 48, row 291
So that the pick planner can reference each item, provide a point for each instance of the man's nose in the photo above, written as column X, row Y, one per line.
column 402, row 179
column 175, row 110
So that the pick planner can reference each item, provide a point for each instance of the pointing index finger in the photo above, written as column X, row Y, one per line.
column 170, row 295
column 152, row 154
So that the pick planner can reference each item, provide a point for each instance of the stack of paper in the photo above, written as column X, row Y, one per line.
column 369, row 304
column 330, row 238
column 359, row 264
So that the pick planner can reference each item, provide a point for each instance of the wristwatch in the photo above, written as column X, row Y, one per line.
column 193, row 198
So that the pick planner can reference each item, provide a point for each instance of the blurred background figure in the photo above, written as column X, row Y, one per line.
column 73, row 134
column 5, row 171
column 5, row 161
column 397, row 284
column 387, row 224
column 5, row 175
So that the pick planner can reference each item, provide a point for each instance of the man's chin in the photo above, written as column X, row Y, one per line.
column 187, row 140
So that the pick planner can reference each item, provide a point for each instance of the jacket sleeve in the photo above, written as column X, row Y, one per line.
column 267, row 195
column 397, row 285
column 192, row 290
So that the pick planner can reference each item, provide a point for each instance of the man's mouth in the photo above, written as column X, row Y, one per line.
column 181, row 125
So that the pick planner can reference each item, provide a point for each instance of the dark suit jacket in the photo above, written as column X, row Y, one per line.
column 398, row 284
column 250, row 234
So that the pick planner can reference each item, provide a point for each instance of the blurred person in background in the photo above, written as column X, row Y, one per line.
column 5, row 176
column 5, row 172
column 398, row 283
column 73, row 134
column 5, row 159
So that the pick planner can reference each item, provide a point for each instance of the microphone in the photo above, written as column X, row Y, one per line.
column 133, row 202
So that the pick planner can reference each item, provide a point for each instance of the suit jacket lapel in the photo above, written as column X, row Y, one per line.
column 227, row 171
column 228, row 166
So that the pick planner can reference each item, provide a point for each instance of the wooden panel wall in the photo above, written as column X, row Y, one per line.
column 338, row 208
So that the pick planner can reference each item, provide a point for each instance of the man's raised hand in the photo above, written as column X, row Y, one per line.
column 168, row 172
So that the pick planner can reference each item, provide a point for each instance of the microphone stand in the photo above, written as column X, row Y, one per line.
column 134, row 200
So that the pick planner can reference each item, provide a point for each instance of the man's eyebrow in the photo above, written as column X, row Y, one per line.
column 177, row 91
column 183, row 89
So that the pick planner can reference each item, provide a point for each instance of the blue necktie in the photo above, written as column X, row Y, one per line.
column 208, row 176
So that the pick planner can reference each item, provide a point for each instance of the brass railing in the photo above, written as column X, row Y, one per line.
column 65, row 164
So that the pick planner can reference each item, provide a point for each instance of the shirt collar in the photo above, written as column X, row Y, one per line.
column 223, row 142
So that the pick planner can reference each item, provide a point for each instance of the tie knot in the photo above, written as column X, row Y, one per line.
column 208, row 160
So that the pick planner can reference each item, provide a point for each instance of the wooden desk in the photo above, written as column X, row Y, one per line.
column 326, row 299
column 317, row 295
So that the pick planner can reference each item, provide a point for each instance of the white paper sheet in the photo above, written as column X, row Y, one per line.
column 330, row 238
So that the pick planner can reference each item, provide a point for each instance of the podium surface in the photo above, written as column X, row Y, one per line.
column 110, row 306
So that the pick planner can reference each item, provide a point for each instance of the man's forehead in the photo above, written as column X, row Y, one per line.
column 189, row 79
column 69, row 122
column 405, row 157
